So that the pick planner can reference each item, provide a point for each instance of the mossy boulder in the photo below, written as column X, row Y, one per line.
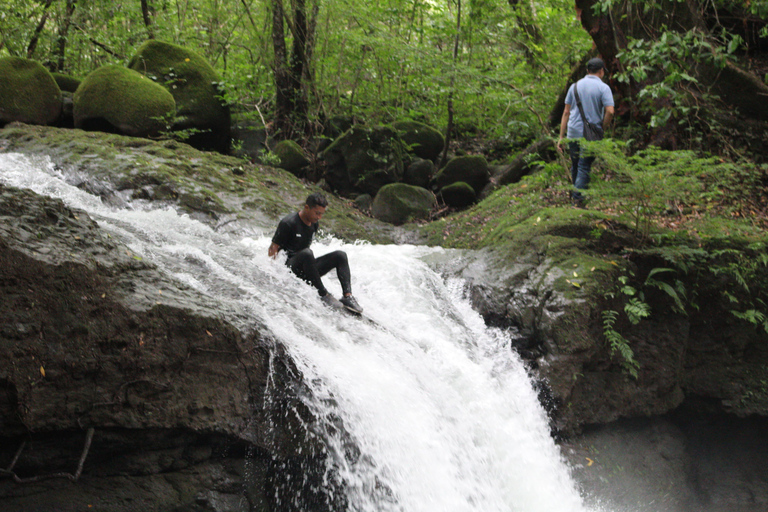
column 458, row 194
column 292, row 157
column 424, row 141
column 419, row 173
column 399, row 203
column 28, row 92
column 472, row 170
column 115, row 99
column 67, row 83
column 363, row 159
column 194, row 85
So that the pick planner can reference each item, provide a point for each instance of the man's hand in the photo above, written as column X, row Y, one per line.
column 273, row 250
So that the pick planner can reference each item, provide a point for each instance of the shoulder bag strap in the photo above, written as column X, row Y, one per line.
column 578, row 101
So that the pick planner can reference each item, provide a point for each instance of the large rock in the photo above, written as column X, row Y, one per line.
column 67, row 83
column 422, row 140
column 28, row 92
column 184, row 410
column 399, row 203
column 364, row 159
column 458, row 194
column 419, row 173
column 292, row 157
column 116, row 99
column 472, row 170
column 194, row 85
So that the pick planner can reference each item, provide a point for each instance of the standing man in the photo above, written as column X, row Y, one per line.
column 294, row 235
column 597, row 101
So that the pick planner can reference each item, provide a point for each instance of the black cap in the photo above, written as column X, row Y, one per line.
column 595, row 65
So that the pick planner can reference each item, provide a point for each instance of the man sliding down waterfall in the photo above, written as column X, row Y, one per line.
column 294, row 235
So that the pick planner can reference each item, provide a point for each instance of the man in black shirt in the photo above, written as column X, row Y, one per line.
column 294, row 235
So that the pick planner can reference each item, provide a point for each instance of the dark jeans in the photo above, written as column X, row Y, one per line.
column 310, row 269
column 581, row 165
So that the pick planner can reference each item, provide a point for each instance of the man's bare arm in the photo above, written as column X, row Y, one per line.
column 564, row 123
column 273, row 250
column 608, row 117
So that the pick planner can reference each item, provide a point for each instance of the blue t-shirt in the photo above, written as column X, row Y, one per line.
column 595, row 96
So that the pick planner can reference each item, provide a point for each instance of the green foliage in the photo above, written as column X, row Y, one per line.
column 654, row 182
column 619, row 343
column 636, row 308
column 665, row 66
column 377, row 61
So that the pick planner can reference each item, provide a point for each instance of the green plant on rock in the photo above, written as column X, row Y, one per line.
column 619, row 343
column 636, row 308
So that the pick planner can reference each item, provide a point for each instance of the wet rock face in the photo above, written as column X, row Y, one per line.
column 95, row 341
column 706, row 354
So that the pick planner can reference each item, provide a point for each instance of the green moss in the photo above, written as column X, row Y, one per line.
column 424, row 141
column 469, row 169
column 66, row 83
column 399, row 203
column 291, row 155
column 198, row 181
column 28, row 92
column 124, row 99
column 458, row 194
column 188, row 77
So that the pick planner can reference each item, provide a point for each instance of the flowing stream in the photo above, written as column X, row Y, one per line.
column 439, row 409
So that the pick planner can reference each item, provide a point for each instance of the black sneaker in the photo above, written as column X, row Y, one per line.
column 351, row 304
column 331, row 301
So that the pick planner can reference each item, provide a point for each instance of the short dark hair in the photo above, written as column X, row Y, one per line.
column 595, row 65
column 316, row 199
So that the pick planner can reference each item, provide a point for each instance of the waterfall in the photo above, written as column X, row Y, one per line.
column 440, row 410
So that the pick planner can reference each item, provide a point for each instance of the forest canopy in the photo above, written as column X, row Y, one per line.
column 684, row 73
column 502, row 62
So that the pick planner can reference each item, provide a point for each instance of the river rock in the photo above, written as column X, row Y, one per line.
column 28, row 92
column 363, row 159
column 194, row 85
column 419, row 173
column 399, row 203
column 116, row 99
column 458, row 194
column 182, row 410
column 67, row 83
column 472, row 170
column 422, row 140
column 292, row 157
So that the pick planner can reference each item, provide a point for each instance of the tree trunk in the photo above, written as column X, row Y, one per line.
column 283, row 94
column 293, row 76
column 63, row 34
column 299, row 65
column 146, row 13
column 449, row 128
column 40, row 26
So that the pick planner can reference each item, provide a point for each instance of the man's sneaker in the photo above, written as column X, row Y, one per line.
column 351, row 304
column 331, row 301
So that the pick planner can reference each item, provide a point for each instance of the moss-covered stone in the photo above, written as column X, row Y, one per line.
column 116, row 99
column 205, row 185
column 458, row 194
column 419, row 173
column 67, row 83
column 28, row 92
column 469, row 169
column 363, row 159
column 399, row 203
column 292, row 157
column 194, row 85
column 423, row 140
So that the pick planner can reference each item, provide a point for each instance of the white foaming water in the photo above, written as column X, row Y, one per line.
column 441, row 410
